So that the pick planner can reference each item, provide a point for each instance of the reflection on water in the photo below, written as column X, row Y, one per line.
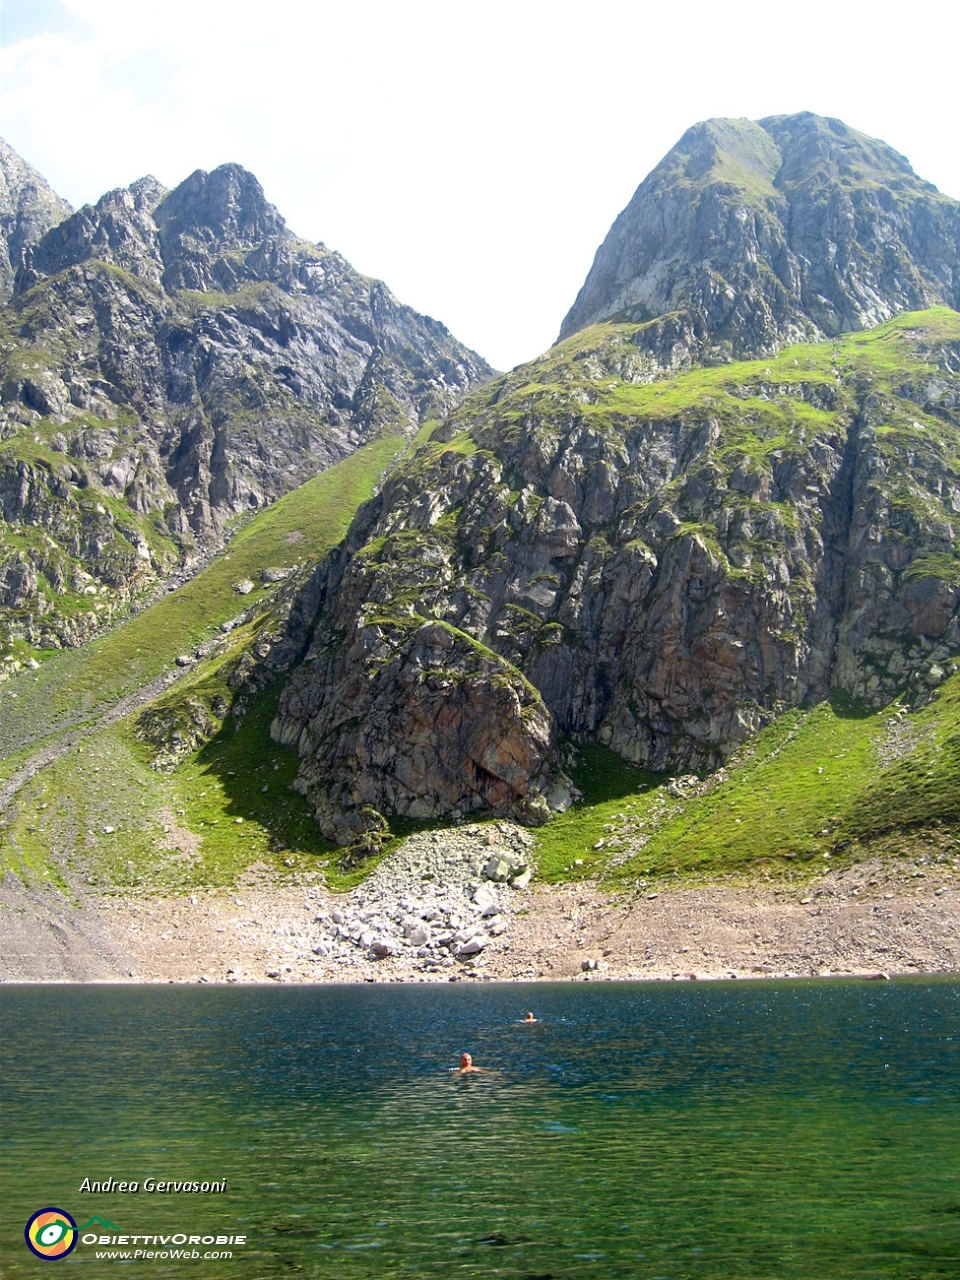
column 692, row 1132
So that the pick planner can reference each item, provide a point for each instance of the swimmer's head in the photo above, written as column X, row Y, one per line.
column 466, row 1060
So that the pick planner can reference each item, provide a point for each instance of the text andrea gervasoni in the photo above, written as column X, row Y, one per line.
column 110, row 1186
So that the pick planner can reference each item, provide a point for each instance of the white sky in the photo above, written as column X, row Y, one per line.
column 471, row 153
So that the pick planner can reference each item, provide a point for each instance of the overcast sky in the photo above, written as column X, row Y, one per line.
column 472, row 154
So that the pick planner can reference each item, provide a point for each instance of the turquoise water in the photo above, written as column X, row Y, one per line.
column 711, row 1130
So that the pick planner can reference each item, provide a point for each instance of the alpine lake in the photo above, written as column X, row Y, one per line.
column 795, row 1130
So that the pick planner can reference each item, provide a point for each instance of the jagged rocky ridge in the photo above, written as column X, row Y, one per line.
column 29, row 207
column 754, row 234
column 170, row 361
column 662, row 567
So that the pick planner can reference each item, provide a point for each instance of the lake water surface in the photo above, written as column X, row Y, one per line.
column 728, row 1131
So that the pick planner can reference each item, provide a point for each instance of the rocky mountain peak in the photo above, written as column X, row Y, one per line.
column 825, row 150
column 762, row 233
column 227, row 206
column 208, row 216
column 118, row 229
column 591, row 551
column 197, row 361
column 736, row 153
column 183, row 238
column 147, row 192
column 29, row 207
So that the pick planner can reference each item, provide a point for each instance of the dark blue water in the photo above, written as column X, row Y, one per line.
column 713, row 1130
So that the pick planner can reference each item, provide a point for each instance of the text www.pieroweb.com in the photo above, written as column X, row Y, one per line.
column 149, row 1248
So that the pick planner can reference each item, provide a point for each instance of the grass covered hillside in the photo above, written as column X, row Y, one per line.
column 74, row 706
column 818, row 788
column 293, row 534
column 832, row 783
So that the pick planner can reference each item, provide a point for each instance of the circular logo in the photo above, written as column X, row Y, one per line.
column 51, row 1234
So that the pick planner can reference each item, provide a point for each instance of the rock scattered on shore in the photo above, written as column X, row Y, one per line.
column 438, row 899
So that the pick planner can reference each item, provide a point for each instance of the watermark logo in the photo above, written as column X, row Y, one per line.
column 51, row 1233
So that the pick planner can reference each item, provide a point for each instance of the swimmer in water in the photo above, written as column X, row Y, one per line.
column 466, row 1065
column 529, row 1018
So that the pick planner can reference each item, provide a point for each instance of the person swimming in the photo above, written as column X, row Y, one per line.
column 530, row 1018
column 466, row 1065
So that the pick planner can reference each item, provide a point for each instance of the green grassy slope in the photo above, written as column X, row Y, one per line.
column 585, row 374
column 230, row 804
column 830, row 782
column 101, row 812
column 299, row 529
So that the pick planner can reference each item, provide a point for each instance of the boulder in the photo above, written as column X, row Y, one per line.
column 497, row 869
column 472, row 947
column 484, row 897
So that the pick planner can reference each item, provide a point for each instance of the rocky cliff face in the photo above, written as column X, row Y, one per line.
column 29, row 207
column 760, row 233
column 659, row 566
column 650, row 538
column 172, row 360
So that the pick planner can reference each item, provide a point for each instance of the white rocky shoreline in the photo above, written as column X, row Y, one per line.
column 460, row 904
column 441, row 899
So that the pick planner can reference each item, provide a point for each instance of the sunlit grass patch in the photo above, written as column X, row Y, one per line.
column 819, row 785
column 783, row 799
column 610, row 786
column 103, row 813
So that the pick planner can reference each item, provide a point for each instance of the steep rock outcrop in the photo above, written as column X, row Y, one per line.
column 666, row 565
column 783, row 230
column 29, row 207
column 426, row 722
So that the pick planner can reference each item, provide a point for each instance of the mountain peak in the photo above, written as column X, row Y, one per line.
column 251, row 362
column 721, row 150
column 764, row 232
column 826, row 146
column 210, row 215
column 179, row 238
column 226, row 205
column 147, row 192
column 29, row 207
